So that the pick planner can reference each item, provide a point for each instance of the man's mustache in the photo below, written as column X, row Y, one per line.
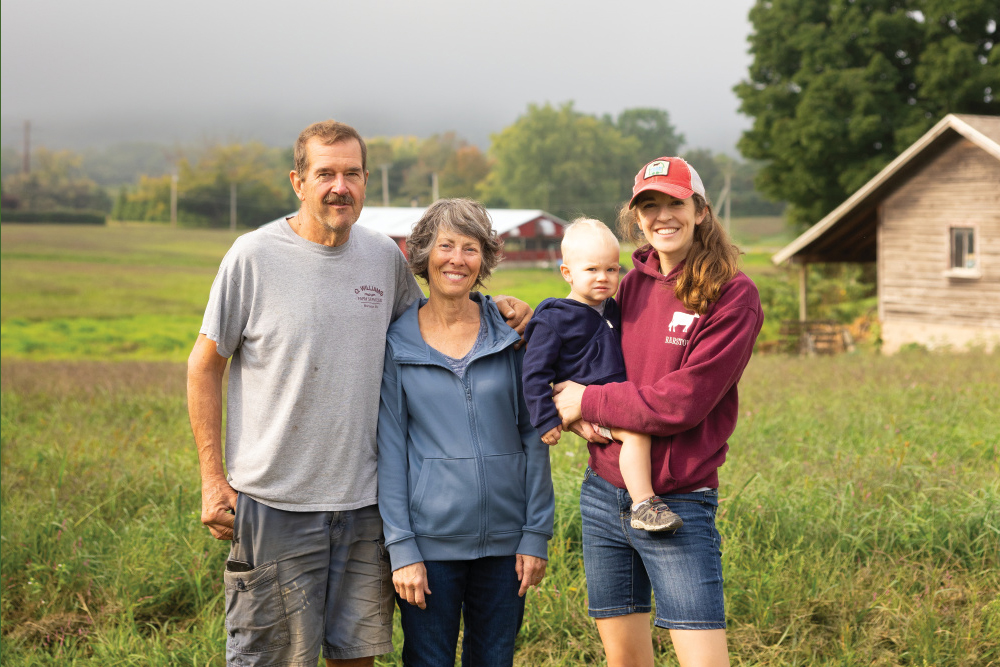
column 338, row 200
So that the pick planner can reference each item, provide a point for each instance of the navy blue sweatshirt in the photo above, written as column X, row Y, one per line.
column 569, row 340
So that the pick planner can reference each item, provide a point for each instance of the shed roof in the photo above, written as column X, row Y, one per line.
column 397, row 221
column 847, row 234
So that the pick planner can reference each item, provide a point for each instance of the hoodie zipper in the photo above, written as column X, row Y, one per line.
column 492, row 347
column 477, row 448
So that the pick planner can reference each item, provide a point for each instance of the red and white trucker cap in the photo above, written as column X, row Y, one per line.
column 671, row 175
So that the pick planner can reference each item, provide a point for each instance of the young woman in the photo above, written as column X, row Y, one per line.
column 689, row 322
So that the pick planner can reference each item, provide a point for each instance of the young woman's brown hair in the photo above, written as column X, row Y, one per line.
column 711, row 262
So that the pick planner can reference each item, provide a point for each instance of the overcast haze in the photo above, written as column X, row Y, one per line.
column 93, row 73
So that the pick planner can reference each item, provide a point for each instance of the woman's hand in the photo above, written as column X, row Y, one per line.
column 530, row 572
column 568, row 397
column 411, row 584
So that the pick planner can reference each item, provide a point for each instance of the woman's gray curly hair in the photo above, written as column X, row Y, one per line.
column 462, row 216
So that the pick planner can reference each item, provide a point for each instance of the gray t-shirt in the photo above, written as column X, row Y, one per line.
column 305, row 325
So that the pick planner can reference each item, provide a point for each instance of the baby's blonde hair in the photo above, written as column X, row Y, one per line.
column 583, row 231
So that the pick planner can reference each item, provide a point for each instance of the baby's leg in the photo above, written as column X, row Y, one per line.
column 637, row 471
column 649, row 512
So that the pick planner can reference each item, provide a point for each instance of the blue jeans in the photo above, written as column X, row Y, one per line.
column 624, row 565
column 484, row 590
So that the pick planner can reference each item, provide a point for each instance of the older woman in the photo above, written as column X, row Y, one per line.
column 465, row 489
column 689, row 322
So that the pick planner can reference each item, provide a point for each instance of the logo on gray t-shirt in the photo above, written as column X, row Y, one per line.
column 369, row 296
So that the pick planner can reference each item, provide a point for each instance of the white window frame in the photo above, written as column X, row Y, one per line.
column 968, row 264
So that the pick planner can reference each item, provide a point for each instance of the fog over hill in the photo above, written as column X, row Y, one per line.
column 89, row 74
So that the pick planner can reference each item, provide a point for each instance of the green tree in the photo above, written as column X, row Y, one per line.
column 563, row 161
column 652, row 128
column 10, row 162
column 432, row 156
column 55, row 182
column 464, row 171
column 123, row 163
column 838, row 88
column 400, row 153
column 460, row 168
column 204, row 184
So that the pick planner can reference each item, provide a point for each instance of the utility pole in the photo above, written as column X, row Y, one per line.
column 434, row 187
column 26, row 158
column 173, row 199
column 729, row 199
column 385, row 183
column 724, row 197
column 803, row 290
column 232, row 206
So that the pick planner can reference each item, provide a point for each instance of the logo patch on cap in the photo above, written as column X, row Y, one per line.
column 657, row 168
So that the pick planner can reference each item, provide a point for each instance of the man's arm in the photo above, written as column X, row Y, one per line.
column 204, row 386
column 516, row 312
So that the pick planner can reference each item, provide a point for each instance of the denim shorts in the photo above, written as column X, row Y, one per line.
column 683, row 569
column 296, row 580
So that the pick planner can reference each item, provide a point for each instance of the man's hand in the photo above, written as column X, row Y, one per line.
column 411, row 584
column 551, row 436
column 218, row 502
column 516, row 312
column 530, row 572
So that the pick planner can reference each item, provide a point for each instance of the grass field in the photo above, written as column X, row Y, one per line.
column 138, row 291
column 860, row 506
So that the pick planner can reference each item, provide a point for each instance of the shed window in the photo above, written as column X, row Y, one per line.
column 963, row 248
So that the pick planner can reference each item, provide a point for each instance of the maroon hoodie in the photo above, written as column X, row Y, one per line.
column 682, row 369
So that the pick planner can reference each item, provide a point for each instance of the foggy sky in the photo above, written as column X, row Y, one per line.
column 92, row 73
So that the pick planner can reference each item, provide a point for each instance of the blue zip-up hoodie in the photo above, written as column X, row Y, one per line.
column 569, row 340
column 462, row 474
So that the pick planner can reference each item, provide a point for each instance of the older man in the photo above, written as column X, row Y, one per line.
column 302, row 306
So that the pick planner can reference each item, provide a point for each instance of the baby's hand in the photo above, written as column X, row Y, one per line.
column 551, row 436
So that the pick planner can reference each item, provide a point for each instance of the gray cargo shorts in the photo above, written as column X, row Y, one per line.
column 295, row 580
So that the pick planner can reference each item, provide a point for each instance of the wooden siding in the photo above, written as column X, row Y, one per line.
column 959, row 187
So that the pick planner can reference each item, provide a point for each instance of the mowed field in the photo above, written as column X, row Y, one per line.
column 860, row 507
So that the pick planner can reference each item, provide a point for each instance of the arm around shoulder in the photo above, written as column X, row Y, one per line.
column 516, row 312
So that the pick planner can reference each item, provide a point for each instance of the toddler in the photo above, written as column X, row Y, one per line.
column 578, row 338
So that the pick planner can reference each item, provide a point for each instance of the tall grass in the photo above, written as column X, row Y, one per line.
column 859, row 516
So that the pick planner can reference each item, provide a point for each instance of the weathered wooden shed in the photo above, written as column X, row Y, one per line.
column 931, row 222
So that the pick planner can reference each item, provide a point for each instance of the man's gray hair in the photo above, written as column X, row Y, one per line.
column 328, row 132
column 462, row 216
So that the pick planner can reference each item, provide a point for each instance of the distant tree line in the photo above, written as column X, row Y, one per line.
column 206, row 180
column 554, row 158
column 56, row 182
